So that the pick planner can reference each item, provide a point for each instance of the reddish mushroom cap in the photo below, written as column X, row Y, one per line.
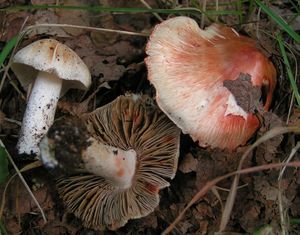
column 188, row 66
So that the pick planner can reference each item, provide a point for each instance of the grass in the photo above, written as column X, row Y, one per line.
column 122, row 10
column 279, row 21
column 2, row 229
column 295, row 221
column 8, row 49
column 288, row 69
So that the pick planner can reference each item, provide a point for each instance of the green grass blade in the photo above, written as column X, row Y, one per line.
column 8, row 48
column 263, row 230
column 288, row 68
column 120, row 10
column 294, row 6
column 99, row 9
column 3, row 163
column 295, row 221
column 2, row 229
column 279, row 21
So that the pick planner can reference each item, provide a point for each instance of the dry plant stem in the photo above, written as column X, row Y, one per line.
column 17, row 202
column 293, row 152
column 290, row 108
column 217, row 8
column 228, row 190
column 282, row 211
column 203, row 15
column 16, row 87
column 274, row 132
column 149, row 7
column 18, row 172
column 30, row 166
column 231, row 197
column 217, row 195
column 87, row 28
column 3, row 195
column 257, row 24
column 296, row 76
column 190, row 8
column 212, row 183
column 13, row 121
column 6, row 68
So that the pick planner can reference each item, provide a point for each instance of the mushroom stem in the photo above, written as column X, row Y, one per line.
column 111, row 163
column 39, row 113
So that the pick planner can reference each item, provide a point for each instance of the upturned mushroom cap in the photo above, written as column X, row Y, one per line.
column 128, row 123
column 51, row 56
column 188, row 66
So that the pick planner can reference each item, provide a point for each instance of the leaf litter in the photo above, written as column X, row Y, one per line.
column 117, row 61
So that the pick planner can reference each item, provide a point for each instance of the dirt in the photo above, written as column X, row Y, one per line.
column 246, row 95
column 68, row 156
column 116, row 64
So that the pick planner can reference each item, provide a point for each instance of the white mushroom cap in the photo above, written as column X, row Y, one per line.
column 51, row 56
column 52, row 68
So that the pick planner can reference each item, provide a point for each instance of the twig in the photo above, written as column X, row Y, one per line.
column 296, row 76
column 212, row 183
column 29, row 28
column 257, row 24
column 228, row 190
column 203, row 15
column 154, row 13
column 274, row 132
column 217, row 9
column 6, row 68
column 24, row 182
column 25, row 168
column 293, row 152
column 13, row 121
column 282, row 212
column 15, row 86
column 231, row 197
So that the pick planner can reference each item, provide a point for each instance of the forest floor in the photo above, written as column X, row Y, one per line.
column 263, row 203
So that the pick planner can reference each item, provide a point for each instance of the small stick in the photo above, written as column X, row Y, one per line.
column 24, row 182
column 212, row 183
column 154, row 13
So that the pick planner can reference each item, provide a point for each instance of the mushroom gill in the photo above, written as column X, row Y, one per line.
column 127, row 123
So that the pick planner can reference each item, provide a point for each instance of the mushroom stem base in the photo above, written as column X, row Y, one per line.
column 39, row 113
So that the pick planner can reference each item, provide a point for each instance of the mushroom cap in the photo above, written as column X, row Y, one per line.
column 51, row 56
column 188, row 66
column 129, row 122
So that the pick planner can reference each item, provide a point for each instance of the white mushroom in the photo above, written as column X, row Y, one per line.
column 52, row 68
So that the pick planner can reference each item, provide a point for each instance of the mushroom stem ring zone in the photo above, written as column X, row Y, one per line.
column 40, row 111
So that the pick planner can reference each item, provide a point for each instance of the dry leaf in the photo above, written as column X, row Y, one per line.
column 246, row 95
column 188, row 164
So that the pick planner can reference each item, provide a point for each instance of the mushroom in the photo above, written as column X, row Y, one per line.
column 188, row 67
column 52, row 68
column 132, row 150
